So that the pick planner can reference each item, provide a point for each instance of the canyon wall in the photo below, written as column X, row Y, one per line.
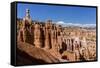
column 74, row 43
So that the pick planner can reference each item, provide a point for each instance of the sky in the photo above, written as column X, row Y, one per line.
column 60, row 14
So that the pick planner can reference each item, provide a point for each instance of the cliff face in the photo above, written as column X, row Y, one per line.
column 59, row 42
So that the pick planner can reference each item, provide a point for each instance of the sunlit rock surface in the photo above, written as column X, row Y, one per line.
column 53, row 43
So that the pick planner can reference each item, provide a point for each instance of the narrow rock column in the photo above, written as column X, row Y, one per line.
column 53, row 38
column 68, row 44
column 37, row 36
column 48, row 35
column 76, row 43
column 73, row 48
column 46, row 39
column 32, row 32
column 21, row 36
column 59, row 36
column 25, row 32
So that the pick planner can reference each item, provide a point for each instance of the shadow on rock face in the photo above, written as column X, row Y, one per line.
column 25, row 59
column 27, row 54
